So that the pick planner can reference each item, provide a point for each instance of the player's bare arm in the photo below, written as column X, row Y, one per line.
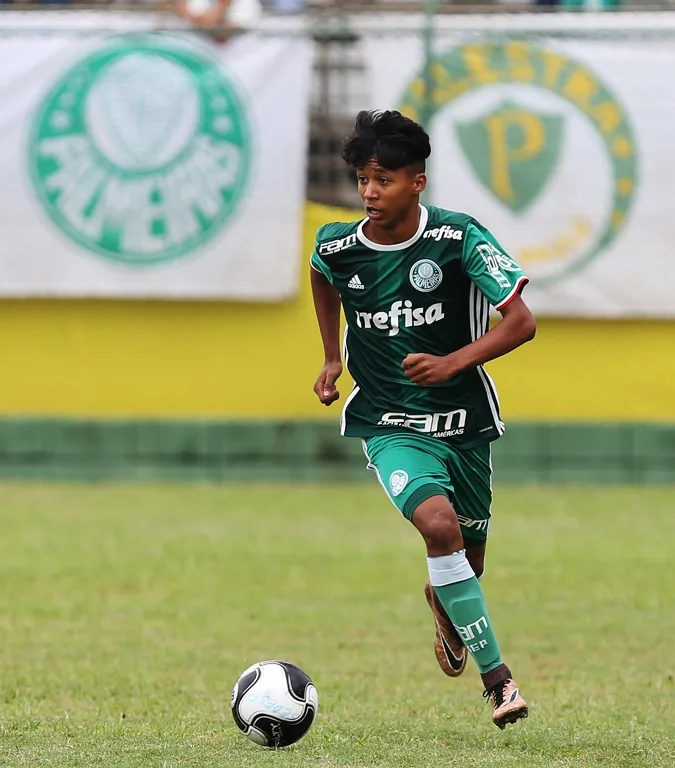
column 327, row 307
column 516, row 327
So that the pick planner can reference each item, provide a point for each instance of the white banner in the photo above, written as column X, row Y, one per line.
column 142, row 164
column 560, row 144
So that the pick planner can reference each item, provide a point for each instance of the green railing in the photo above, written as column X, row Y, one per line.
column 214, row 451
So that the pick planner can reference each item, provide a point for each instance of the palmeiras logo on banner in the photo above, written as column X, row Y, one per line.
column 535, row 145
column 140, row 153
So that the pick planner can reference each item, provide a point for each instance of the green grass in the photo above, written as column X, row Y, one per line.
column 127, row 613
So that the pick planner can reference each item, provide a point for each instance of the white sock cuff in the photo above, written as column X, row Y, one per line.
column 449, row 569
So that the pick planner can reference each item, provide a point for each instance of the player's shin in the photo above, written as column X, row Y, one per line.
column 460, row 593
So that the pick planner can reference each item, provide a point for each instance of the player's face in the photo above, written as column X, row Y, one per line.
column 388, row 195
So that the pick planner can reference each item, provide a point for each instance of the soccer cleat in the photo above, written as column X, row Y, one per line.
column 507, row 703
column 450, row 651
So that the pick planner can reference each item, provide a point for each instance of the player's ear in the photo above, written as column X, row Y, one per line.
column 420, row 182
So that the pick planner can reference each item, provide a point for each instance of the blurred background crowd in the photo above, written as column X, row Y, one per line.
column 247, row 11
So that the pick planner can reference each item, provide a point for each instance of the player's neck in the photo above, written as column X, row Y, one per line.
column 400, row 232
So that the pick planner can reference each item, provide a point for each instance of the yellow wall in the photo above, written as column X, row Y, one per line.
column 197, row 359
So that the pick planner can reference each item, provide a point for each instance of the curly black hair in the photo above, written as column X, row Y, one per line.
column 393, row 140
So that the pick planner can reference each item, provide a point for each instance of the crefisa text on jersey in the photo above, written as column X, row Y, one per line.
column 444, row 232
column 400, row 310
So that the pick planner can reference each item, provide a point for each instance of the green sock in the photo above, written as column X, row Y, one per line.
column 462, row 597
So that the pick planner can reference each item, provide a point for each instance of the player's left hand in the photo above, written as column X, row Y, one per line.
column 426, row 370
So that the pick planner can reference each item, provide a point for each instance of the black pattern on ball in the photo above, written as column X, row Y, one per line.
column 297, row 680
column 243, row 685
column 280, row 734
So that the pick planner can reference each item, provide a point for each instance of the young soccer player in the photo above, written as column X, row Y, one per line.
column 415, row 284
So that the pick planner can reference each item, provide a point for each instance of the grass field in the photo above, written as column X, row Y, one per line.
column 127, row 613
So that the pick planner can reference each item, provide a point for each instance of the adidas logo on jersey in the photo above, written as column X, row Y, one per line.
column 444, row 232
column 402, row 314
column 356, row 283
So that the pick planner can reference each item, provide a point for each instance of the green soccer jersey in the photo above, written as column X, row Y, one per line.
column 430, row 294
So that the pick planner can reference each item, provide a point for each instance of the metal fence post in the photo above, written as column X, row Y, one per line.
column 426, row 111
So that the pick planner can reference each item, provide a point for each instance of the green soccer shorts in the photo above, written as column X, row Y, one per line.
column 412, row 468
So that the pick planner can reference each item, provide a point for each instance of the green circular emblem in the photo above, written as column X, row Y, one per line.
column 398, row 481
column 536, row 130
column 425, row 275
column 140, row 152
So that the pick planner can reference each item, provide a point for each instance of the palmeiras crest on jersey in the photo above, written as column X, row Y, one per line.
column 537, row 143
column 398, row 481
column 140, row 152
column 425, row 275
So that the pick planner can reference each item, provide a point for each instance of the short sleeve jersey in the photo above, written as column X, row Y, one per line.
column 430, row 294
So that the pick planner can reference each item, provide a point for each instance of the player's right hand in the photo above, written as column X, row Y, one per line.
column 325, row 384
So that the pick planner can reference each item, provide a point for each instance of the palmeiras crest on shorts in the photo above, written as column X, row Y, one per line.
column 398, row 481
column 140, row 152
column 425, row 275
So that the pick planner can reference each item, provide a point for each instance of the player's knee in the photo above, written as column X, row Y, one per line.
column 440, row 532
column 438, row 524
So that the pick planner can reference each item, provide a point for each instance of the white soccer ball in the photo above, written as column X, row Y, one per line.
column 274, row 703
